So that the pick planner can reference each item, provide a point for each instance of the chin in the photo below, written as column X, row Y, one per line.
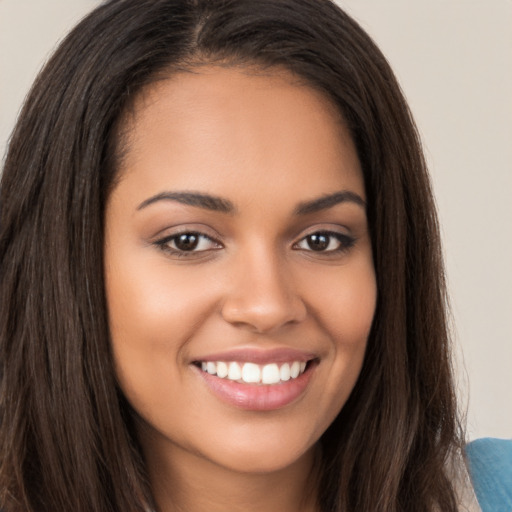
column 262, row 446
column 258, row 460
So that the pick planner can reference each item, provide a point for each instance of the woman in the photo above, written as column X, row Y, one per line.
column 221, row 276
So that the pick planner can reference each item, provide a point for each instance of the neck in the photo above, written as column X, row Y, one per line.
column 183, row 481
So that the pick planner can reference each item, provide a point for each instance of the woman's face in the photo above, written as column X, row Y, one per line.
column 239, row 273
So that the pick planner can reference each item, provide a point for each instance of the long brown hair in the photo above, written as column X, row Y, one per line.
column 66, row 439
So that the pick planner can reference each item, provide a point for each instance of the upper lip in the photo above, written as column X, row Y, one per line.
column 259, row 356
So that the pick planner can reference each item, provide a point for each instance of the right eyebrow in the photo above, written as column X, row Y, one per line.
column 205, row 201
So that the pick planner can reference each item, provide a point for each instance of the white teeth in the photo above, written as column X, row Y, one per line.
column 285, row 372
column 252, row 373
column 294, row 370
column 270, row 374
column 234, row 372
column 222, row 370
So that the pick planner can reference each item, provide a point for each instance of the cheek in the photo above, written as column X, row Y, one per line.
column 345, row 311
column 150, row 304
column 351, row 312
column 153, row 313
column 352, row 317
column 344, row 302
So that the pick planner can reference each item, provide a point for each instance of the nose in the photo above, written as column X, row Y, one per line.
column 262, row 295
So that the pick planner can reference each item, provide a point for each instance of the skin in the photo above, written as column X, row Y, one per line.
column 267, row 144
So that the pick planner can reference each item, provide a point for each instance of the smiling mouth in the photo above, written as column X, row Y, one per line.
column 258, row 382
column 252, row 373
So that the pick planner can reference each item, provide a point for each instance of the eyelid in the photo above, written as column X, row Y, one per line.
column 345, row 240
column 194, row 233
column 163, row 243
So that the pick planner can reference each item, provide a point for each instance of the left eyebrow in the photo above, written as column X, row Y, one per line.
column 198, row 199
column 328, row 201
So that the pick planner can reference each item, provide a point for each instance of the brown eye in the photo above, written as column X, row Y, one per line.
column 318, row 242
column 325, row 242
column 186, row 241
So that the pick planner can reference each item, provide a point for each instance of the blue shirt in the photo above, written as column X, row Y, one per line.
column 490, row 466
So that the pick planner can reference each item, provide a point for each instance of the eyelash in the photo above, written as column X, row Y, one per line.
column 164, row 244
column 346, row 242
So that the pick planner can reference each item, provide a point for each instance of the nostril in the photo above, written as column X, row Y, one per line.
column 263, row 314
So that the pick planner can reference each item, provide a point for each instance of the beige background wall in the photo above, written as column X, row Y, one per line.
column 454, row 60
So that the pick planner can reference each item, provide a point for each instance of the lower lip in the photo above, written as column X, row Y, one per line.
column 253, row 397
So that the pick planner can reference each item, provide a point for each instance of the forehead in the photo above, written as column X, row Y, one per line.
column 224, row 129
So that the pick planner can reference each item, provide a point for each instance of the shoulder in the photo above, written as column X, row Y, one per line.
column 490, row 466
